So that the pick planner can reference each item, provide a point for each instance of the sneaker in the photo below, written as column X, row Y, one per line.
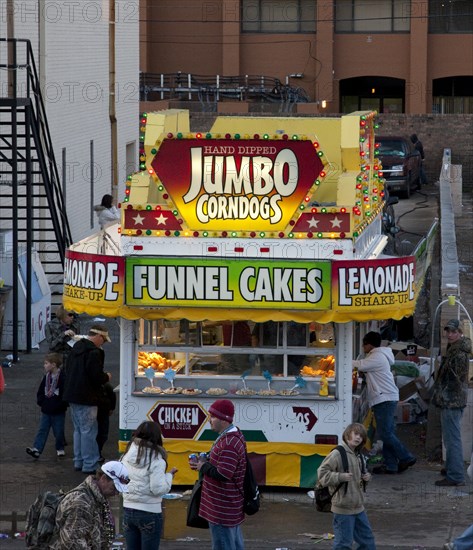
column 61, row 453
column 449, row 483
column 448, row 546
column 402, row 466
column 33, row 451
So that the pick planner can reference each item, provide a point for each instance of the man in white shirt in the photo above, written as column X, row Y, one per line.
column 383, row 396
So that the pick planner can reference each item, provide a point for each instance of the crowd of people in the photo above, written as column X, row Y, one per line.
column 75, row 377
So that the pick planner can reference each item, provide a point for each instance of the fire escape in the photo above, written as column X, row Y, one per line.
column 32, row 205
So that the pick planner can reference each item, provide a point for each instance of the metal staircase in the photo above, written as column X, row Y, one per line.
column 32, row 204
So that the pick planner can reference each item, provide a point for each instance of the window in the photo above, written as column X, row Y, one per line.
column 278, row 16
column 372, row 16
column 450, row 16
column 233, row 347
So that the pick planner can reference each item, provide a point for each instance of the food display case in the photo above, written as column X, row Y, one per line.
column 259, row 365
column 244, row 260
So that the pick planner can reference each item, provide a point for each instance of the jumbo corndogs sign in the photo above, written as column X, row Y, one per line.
column 221, row 185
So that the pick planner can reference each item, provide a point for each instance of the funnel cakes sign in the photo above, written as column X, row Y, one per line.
column 220, row 184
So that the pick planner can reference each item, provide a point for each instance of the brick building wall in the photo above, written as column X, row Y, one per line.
column 437, row 132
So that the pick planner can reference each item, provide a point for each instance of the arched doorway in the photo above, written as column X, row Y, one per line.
column 383, row 94
column 452, row 95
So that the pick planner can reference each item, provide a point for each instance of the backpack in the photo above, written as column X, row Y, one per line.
column 251, row 495
column 41, row 520
column 323, row 497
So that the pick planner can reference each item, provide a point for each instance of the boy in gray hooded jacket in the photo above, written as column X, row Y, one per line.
column 383, row 396
column 350, row 522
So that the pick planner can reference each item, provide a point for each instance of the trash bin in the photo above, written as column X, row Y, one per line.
column 4, row 293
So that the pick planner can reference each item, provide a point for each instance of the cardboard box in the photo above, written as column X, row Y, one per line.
column 412, row 390
column 405, row 413
column 400, row 351
column 422, row 390
column 408, row 391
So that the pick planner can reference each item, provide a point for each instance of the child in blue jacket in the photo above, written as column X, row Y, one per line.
column 53, row 408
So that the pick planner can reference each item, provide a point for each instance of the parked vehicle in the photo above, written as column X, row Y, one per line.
column 389, row 227
column 401, row 164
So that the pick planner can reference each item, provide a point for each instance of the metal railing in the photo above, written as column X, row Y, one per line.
column 215, row 88
column 27, row 159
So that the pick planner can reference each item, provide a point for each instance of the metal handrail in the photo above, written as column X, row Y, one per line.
column 48, row 160
column 241, row 87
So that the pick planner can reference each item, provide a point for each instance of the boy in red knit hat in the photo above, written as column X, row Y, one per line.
column 223, row 474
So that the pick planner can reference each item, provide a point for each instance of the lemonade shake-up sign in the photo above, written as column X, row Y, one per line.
column 366, row 284
column 227, row 283
column 222, row 184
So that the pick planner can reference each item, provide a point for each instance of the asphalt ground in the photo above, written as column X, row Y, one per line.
column 406, row 511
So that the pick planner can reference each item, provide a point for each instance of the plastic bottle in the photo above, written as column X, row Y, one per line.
column 323, row 386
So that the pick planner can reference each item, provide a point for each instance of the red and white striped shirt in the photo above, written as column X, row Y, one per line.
column 222, row 501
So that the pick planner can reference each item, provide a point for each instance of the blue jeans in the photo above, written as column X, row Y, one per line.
column 48, row 421
column 452, row 439
column 465, row 540
column 352, row 527
column 226, row 538
column 86, row 451
column 142, row 529
column 393, row 450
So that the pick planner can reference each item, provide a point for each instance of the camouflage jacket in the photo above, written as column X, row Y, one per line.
column 451, row 383
column 84, row 520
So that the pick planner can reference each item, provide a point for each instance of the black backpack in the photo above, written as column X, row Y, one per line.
column 323, row 497
column 251, row 495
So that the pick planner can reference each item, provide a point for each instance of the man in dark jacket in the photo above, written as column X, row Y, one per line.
column 419, row 147
column 450, row 396
column 85, row 377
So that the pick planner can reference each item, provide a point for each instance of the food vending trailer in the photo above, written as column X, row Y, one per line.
column 244, row 263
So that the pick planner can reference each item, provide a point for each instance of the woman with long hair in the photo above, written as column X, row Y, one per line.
column 145, row 460
column 107, row 212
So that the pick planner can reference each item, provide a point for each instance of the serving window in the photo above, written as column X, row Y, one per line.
column 231, row 350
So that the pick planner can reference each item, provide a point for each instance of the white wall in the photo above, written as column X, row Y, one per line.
column 71, row 46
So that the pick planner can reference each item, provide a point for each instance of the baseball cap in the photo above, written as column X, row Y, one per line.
column 102, row 332
column 118, row 472
column 453, row 324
